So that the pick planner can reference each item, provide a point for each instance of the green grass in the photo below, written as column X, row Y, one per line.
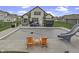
column 4, row 25
column 62, row 24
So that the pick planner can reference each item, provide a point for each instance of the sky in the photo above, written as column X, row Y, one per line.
column 54, row 10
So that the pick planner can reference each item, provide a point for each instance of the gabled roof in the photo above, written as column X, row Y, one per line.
column 13, row 15
column 33, row 9
column 45, row 14
column 49, row 14
column 37, row 7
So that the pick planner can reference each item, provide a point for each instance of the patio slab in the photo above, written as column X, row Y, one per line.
column 17, row 41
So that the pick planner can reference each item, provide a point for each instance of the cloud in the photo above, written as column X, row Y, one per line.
column 62, row 9
column 24, row 7
column 22, row 12
column 11, row 12
column 77, row 8
column 50, row 13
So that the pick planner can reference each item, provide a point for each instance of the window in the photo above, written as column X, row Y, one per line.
column 25, row 20
column 37, row 13
column 34, row 19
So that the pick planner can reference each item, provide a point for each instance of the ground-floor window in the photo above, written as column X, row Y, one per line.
column 35, row 22
column 25, row 20
column 35, row 19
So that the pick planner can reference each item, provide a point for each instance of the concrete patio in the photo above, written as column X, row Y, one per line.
column 16, row 41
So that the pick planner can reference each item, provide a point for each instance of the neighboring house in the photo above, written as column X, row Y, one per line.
column 72, row 18
column 7, row 17
column 36, row 15
column 10, row 18
column 3, row 14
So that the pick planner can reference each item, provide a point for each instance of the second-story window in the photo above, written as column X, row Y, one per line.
column 37, row 13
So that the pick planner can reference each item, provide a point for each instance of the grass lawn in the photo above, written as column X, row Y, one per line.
column 4, row 25
column 62, row 24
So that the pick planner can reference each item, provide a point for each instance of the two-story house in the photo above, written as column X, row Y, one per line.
column 3, row 14
column 10, row 18
column 36, row 16
column 7, row 17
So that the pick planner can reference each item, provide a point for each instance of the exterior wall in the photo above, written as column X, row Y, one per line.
column 25, row 18
column 71, row 21
column 2, row 15
column 77, row 21
column 40, row 17
column 9, row 19
column 48, row 17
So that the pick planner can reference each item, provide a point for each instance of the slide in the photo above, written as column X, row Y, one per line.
column 67, row 36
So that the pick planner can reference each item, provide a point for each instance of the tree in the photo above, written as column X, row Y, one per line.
column 18, row 21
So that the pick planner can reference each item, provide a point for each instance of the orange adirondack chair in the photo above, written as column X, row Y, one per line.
column 44, row 41
column 30, row 41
